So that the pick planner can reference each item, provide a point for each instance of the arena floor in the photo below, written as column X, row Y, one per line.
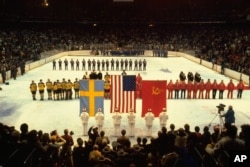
column 17, row 106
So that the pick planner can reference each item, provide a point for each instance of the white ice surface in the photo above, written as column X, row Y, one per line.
column 17, row 106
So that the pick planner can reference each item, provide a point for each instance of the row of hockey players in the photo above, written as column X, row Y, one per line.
column 117, row 117
column 56, row 90
column 202, row 90
column 101, row 64
column 180, row 89
column 64, row 90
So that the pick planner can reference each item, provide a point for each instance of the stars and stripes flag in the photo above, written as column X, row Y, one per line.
column 123, row 94
column 91, row 95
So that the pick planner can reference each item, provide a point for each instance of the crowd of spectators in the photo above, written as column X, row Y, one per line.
column 226, row 44
column 172, row 147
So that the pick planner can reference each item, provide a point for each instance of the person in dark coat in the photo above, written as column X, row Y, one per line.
column 229, row 116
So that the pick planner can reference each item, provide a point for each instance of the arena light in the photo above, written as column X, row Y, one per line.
column 123, row 0
column 45, row 3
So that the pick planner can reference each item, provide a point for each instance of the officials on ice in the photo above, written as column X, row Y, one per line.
column 149, row 119
column 85, row 119
column 99, row 117
column 116, row 121
column 131, row 123
column 163, row 117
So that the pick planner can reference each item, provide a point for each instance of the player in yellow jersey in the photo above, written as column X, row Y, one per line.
column 107, row 76
column 55, row 93
column 49, row 86
column 76, row 88
column 64, row 83
column 41, row 87
column 33, row 89
column 106, row 89
column 59, row 90
column 69, row 86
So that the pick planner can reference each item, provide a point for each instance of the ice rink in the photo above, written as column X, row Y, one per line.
column 17, row 106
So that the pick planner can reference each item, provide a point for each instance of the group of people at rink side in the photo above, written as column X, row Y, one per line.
column 63, row 90
column 196, row 88
column 56, row 90
column 117, row 117
column 108, row 64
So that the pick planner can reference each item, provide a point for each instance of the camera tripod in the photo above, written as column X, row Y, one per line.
column 221, row 122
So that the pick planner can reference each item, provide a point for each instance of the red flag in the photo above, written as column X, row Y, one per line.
column 153, row 96
column 123, row 93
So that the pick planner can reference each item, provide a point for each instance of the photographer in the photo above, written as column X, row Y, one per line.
column 229, row 116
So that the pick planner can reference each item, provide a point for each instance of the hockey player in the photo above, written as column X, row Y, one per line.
column 230, row 88
column 33, row 89
column 41, row 87
column 240, row 87
column 76, row 88
column 221, row 88
column 66, row 64
column 208, row 87
column 189, row 89
column 72, row 64
column 138, row 86
column 214, row 89
column 49, row 86
column 201, row 89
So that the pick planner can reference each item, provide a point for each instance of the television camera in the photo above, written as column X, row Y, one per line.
column 221, row 107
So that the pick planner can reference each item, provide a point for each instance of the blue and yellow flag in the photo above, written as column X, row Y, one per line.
column 91, row 95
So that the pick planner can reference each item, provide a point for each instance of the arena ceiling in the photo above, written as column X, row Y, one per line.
column 134, row 10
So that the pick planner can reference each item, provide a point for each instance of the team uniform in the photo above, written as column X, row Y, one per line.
column 221, row 88
column 69, row 86
column 55, row 93
column 66, row 64
column 170, row 87
column 230, row 88
column 189, row 87
column 41, row 87
column 64, row 85
column 240, row 87
column 54, row 64
column 138, row 86
column 107, row 86
column 33, row 89
column 214, row 89
column 59, row 90
column 76, row 88
column 49, row 87
column 208, row 87
column 72, row 64
column 60, row 64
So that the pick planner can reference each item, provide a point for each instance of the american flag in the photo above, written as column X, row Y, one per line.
column 123, row 94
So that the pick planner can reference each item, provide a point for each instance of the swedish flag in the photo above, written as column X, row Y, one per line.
column 91, row 95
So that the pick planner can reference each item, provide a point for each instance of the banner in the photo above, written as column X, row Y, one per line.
column 153, row 96
column 91, row 95
column 122, row 93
